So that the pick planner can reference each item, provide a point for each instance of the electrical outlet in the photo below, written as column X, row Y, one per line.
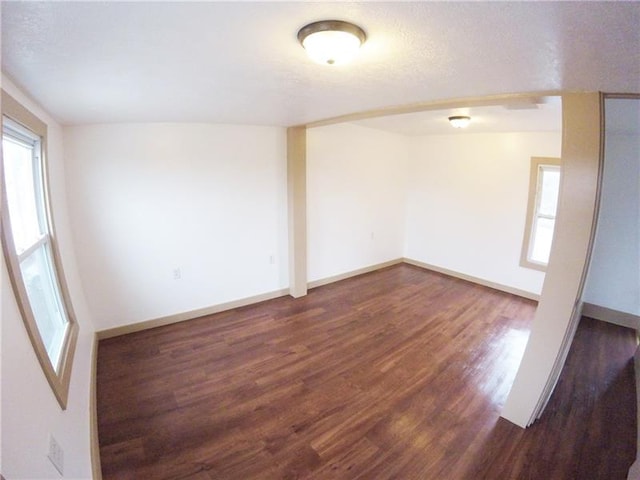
column 272, row 259
column 56, row 455
column 177, row 274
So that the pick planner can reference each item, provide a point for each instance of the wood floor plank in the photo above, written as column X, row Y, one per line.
column 396, row 374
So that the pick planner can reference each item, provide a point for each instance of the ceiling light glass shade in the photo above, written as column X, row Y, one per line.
column 331, row 42
column 460, row 121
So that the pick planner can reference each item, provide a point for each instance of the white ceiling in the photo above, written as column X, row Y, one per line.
column 239, row 62
column 545, row 116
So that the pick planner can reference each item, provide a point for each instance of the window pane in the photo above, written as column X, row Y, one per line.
column 46, row 316
column 22, row 193
column 44, row 299
column 542, row 236
column 550, row 186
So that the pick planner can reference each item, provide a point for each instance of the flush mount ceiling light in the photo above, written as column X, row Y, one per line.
column 331, row 42
column 460, row 121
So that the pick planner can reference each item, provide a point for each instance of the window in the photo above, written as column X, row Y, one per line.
column 29, row 245
column 544, row 187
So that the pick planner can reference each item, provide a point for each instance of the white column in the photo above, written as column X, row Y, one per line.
column 558, row 312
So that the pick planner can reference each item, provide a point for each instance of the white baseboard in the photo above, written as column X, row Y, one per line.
column 610, row 315
column 472, row 279
column 353, row 273
column 190, row 315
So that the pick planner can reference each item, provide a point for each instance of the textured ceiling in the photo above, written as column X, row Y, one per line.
column 239, row 62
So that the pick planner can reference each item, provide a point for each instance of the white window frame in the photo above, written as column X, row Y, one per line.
column 58, row 375
column 532, row 207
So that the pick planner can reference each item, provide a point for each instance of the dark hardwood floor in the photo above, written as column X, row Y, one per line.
column 397, row 374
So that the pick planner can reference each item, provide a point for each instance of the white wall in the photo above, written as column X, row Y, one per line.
column 467, row 203
column 147, row 199
column 614, row 271
column 355, row 198
column 30, row 411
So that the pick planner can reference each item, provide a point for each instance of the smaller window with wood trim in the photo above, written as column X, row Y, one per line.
column 544, row 188
column 29, row 246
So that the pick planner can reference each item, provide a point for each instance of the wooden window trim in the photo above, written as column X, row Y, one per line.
column 531, row 207
column 58, row 378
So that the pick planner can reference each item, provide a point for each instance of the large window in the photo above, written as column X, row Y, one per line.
column 541, row 212
column 29, row 245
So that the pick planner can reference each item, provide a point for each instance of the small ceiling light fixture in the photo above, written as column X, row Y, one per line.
column 460, row 121
column 331, row 42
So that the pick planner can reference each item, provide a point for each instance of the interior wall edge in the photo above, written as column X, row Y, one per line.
column 634, row 471
column 470, row 278
column 610, row 315
column 190, row 315
column 354, row 273
column 556, row 317
column 297, row 209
